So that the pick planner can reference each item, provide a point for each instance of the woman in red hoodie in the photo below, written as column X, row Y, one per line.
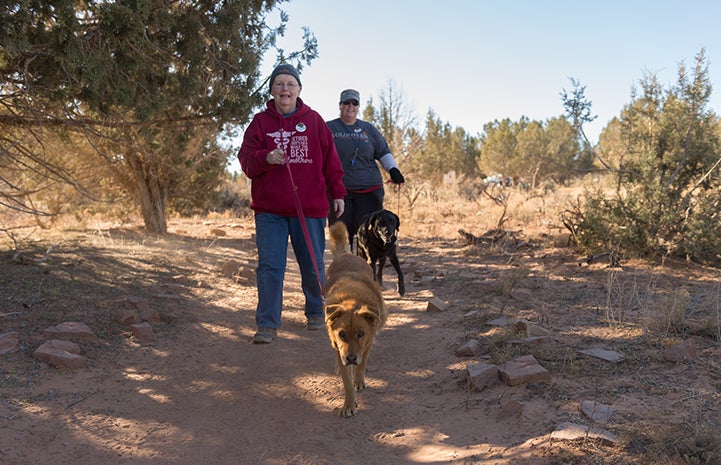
column 288, row 150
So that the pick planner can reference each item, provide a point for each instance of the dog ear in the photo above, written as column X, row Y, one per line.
column 398, row 220
column 332, row 312
column 370, row 314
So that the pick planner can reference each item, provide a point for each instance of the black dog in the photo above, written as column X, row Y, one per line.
column 377, row 236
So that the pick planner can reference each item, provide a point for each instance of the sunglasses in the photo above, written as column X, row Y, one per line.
column 351, row 102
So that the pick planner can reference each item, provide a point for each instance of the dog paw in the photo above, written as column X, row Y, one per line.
column 359, row 386
column 347, row 412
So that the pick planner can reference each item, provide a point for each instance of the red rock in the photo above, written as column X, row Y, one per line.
column 469, row 349
column 680, row 352
column 60, row 354
column 150, row 315
column 572, row 431
column 143, row 332
column 524, row 369
column 230, row 269
column 9, row 342
column 247, row 272
column 481, row 374
column 138, row 303
column 436, row 305
column 71, row 330
column 607, row 355
column 531, row 329
column 126, row 316
column 237, row 272
column 529, row 340
column 499, row 322
column 599, row 413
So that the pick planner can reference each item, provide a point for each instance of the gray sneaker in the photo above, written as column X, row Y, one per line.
column 264, row 335
column 315, row 324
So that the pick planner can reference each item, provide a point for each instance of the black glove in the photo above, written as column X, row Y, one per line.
column 396, row 176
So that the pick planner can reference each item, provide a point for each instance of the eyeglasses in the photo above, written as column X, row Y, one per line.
column 351, row 102
column 287, row 85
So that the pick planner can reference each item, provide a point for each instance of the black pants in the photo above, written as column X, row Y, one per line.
column 357, row 206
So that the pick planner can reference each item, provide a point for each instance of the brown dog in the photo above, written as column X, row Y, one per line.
column 354, row 312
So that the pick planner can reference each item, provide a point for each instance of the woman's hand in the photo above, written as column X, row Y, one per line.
column 396, row 176
column 338, row 207
column 275, row 157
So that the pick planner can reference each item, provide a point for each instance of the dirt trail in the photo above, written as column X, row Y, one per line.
column 203, row 394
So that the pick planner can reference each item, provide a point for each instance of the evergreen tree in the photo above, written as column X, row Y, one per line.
column 447, row 149
column 668, row 195
column 147, row 82
column 530, row 150
column 498, row 146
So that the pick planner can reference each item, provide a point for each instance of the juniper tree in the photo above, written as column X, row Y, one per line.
column 151, row 84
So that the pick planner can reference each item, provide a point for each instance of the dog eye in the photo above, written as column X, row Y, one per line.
column 342, row 335
column 360, row 334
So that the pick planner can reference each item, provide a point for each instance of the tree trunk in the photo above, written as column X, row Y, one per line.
column 152, row 196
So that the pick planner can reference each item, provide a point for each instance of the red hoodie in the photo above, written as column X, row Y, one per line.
column 309, row 151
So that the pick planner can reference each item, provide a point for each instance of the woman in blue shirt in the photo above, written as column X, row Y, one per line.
column 360, row 147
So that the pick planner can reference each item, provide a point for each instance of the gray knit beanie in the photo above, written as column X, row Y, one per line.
column 285, row 68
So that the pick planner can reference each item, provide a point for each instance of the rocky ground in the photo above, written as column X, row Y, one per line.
column 628, row 356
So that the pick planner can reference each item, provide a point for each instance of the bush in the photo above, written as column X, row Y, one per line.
column 667, row 195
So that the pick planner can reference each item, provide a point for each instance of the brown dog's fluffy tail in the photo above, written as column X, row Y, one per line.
column 339, row 243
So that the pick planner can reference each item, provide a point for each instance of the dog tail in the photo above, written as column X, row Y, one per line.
column 339, row 243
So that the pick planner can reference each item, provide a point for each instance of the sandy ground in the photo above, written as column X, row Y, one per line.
column 203, row 394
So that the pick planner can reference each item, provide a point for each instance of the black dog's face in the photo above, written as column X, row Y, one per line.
column 386, row 226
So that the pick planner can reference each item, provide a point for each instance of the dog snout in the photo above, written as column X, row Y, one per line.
column 351, row 359
column 387, row 238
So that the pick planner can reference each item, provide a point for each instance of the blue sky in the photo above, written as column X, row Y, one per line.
column 475, row 61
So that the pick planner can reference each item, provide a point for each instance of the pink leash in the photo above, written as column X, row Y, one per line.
column 304, row 226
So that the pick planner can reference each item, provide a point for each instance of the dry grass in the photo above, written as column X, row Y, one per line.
column 654, row 302
column 441, row 212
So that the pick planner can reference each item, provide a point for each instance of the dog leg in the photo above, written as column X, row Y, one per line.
column 401, row 282
column 379, row 275
column 359, row 379
column 350, row 407
column 374, row 268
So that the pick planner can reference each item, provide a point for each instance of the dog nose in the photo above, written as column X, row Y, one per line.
column 351, row 359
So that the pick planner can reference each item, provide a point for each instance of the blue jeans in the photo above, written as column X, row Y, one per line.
column 271, row 238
